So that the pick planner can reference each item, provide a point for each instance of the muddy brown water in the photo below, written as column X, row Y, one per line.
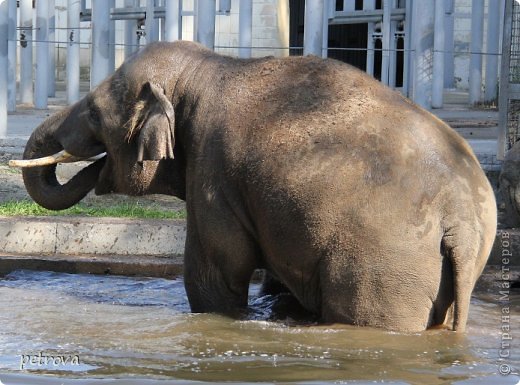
column 121, row 330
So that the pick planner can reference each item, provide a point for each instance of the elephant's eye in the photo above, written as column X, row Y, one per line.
column 94, row 116
column 93, row 113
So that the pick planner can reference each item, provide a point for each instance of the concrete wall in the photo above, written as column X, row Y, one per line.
column 270, row 28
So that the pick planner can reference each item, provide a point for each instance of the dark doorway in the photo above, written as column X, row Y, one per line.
column 296, row 22
column 348, row 43
column 399, row 62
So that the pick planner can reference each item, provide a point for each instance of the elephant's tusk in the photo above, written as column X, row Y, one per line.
column 60, row 157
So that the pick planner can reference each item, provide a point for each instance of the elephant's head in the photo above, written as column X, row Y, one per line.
column 130, row 117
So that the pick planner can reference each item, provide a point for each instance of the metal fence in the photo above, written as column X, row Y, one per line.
column 509, row 103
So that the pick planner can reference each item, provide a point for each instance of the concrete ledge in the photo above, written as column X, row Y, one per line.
column 91, row 236
column 148, row 266
column 15, row 146
column 128, row 246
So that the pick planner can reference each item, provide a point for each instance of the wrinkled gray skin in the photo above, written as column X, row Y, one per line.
column 367, row 208
column 509, row 184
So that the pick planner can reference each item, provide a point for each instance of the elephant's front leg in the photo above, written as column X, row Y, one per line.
column 218, row 263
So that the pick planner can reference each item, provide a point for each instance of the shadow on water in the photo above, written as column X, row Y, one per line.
column 120, row 327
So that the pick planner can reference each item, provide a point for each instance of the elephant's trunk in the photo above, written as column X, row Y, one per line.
column 41, row 182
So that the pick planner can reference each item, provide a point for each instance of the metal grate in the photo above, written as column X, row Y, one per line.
column 514, row 63
column 513, row 122
column 509, row 96
column 513, row 110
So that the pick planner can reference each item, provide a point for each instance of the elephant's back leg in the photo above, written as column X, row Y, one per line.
column 403, row 286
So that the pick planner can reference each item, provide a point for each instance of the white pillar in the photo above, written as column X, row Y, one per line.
column 475, row 62
column 151, row 23
column 73, row 23
column 493, row 37
column 245, row 23
column 4, row 20
column 26, row 52
column 313, row 27
column 41, row 86
column 438, row 55
column 11, row 56
column 421, row 58
column 385, row 61
column 349, row 6
column 449, row 45
column 173, row 20
column 100, row 65
column 205, row 16
column 370, row 5
column 392, row 65
column 131, row 30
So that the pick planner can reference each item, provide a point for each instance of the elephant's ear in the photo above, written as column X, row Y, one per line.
column 154, row 122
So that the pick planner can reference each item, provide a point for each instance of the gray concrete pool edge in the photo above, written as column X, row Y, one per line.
column 128, row 246
column 92, row 245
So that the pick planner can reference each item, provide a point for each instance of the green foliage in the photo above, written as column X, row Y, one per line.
column 120, row 210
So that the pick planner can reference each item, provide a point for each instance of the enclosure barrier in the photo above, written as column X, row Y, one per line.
column 509, row 99
column 399, row 34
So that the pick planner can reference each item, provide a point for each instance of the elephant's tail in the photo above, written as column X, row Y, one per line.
column 468, row 249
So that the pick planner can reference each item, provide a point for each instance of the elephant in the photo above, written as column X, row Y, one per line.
column 369, row 210
column 509, row 186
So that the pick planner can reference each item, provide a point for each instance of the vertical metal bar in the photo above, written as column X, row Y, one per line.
column 407, row 56
column 387, row 13
column 26, row 52
column 475, row 61
column 73, row 49
column 173, row 20
column 313, row 27
column 111, row 38
column 11, row 56
column 438, row 55
column 51, row 83
column 41, row 86
column 325, row 41
column 131, row 30
column 206, row 10
column 4, row 20
column 493, row 37
column 370, row 5
column 151, row 23
column 245, row 23
column 503, row 98
column 100, row 65
column 449, row 44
